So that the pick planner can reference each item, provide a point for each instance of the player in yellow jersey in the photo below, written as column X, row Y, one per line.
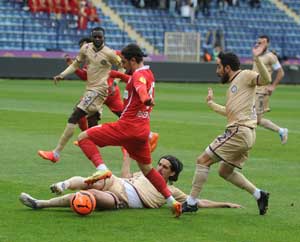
column 99, row 59
column 231, row 149
column 263, row 93
column 133, row 191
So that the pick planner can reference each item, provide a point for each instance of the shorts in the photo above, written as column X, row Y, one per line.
column 233, row 146
column 262, row 103
column 119, row 134
column 92, row 102
column 114, row 102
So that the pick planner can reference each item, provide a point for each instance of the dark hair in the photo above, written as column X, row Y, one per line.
column 98, row 29
column 176, row 166
column 230, row 59
column 133, row 51
column 264, row 37
column 85, row 39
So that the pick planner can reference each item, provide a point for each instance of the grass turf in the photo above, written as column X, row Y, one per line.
column 33, row 114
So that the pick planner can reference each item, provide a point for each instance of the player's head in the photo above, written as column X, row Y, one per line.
column 263, row 39
column 226, row 64
column 83, row 41
column 132, row 55
column 97, row 36
column 169, row 167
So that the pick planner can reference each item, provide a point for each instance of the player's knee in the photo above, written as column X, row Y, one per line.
column 76, row 116
column 204, row 160
column 223, row 174
column 82, row 135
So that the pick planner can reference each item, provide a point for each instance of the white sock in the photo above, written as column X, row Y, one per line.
column 281, row 131
column 170, row 200
column 63, row 185
column 56, row 154
column 191, row 201
column 150, row 135
column 256, row 194
column 102, row 167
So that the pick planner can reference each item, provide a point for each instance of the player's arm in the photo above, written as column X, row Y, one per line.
column 81, row 73
column 214, row 106
column 203, row 203
column 117, row 74
column 125, row 171
column 140, row 86
column 264, row 77
column 279, row 75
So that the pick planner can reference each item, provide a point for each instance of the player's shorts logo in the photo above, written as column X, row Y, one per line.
column 233, row 89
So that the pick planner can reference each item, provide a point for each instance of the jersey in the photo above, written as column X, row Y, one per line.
column 148, row 194
column 240, row 99
column 271, row 62
column 135, row 111
column 99, row 64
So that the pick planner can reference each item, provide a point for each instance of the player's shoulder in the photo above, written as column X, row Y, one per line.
column 246, row 74
column 86, row 46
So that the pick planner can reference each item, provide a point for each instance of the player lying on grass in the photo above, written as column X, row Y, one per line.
column 131, row 191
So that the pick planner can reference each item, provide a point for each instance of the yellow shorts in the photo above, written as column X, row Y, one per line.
column 232, row 147
column 262, row 103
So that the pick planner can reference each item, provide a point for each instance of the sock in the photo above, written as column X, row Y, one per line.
column 83, row 124
column 90, row 150
column 191, row 201
column 268, row 124
column 281, row 131
column 256, row 193
column 200, row 177
column 67, row 134
column 63, row 201
column 102, row 167
column 150, row 135
column 64, row 185
column 158, row 182
column 241, row 181
column 170, row 200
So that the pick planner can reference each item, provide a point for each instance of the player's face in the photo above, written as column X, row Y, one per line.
column 127, row 65
column 262, row 41
column 164, row 168
column 221, row 72
column 97, row 38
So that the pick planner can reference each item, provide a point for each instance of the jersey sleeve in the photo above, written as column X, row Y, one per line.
column 179, row 195
column 251, row 77
column 274, row 62
column 114, row 59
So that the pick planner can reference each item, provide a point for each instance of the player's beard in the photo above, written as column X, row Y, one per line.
column 98, row 43
column 225, row 78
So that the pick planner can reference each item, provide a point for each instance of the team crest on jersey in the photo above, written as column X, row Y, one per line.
column 233, row 89
column 142, row 80
column 103, row 62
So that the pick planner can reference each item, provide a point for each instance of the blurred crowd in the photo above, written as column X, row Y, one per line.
column 83, row 10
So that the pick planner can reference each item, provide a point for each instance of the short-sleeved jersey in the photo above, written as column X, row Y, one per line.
column 99, row 64
column 272, row 64
column 150, row 197
column 134, row 109
column 240, row 103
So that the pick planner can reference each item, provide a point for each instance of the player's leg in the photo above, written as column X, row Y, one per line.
column 66, row 135
column 229, row 173
column 105, row 200
column 204, row 161
column 63, row 201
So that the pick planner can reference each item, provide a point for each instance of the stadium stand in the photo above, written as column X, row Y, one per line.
column 239, row 25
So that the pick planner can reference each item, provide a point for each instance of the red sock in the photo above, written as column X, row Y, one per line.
column 90, row 150
column 158, row 182
column 83, row 124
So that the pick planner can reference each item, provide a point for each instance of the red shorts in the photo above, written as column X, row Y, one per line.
column 114, row 102
column 134, row 140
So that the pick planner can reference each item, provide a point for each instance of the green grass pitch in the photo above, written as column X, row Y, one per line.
column 33, row 114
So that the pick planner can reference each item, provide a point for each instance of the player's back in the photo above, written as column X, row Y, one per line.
column 134, row 109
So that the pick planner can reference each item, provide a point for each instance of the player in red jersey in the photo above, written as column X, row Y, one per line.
column 113, row 101
column 132, row 129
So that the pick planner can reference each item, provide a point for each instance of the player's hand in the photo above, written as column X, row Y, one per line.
column 270, row 89
column 57, row 79
column 68, row 59
column 210, row 95
column 149, row 102
column 259, row 48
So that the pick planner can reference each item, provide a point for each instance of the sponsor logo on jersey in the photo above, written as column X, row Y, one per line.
column 103, row 62
column 142, row 80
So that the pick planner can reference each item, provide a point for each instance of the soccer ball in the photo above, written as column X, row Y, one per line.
column 83, row 202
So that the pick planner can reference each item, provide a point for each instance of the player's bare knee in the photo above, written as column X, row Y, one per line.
column 82, row 135
column 204, row 159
